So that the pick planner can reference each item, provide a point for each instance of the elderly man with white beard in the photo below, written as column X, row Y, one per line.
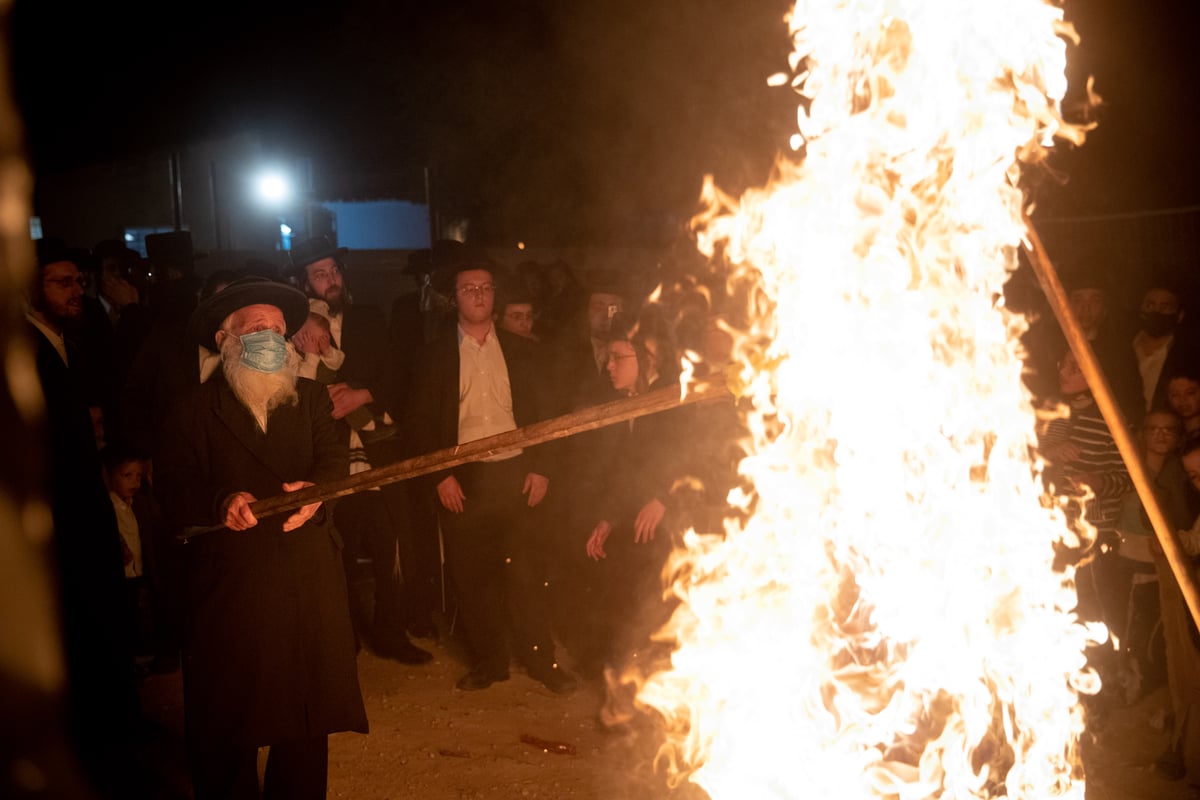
column 268, row 654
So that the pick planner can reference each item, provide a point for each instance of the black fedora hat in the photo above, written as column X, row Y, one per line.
column 314, row 249
column 451, row 258
column 172, row 250
column 52, row 251
column 511, row 287
column 252, row 290
column 420, row 262
column 607, row 281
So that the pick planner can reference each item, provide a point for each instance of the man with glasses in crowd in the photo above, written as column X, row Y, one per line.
column 102, row 705
column 477, row 382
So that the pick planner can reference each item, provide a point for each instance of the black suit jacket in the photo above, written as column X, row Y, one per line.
column 369, row 363
column 587, row 384
column 86, row 546
column 432, row 416
column 85, row 525
column 167, row 365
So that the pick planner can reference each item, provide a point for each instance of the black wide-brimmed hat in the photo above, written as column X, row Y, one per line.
column 249, row 291
column 451, row 259
column 607, row 281
column 51, row 251
column 314, row 249
column 171, row 249
column 511, row 287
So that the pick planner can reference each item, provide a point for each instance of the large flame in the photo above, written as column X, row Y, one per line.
column 888, row 620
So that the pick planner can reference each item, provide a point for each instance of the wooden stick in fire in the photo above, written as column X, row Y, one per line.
column 548, row 430
column 1111, row 412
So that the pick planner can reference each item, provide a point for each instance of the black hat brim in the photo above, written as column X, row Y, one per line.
column 311, row 256
column 461, row 259
column 209, row 315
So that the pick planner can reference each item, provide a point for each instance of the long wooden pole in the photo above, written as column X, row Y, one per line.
column 548, row 430
column 1111, row 412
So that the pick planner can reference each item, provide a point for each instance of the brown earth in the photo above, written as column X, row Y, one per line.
column 431, row 741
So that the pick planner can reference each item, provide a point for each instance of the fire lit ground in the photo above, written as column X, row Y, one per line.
column 886, row 621
column 430, row 742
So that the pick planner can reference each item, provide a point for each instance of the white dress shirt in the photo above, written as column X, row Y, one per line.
column 484, row 392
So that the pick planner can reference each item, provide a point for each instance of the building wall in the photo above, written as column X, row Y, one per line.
column 88, row 205
column 219, row 207
column 380, row 224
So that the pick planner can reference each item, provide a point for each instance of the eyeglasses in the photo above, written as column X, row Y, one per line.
column 519, row 316
column 477, row 289
column 1153, row 431
column 620, row 356
column 66, row 283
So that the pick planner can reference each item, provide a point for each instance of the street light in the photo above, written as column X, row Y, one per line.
column 274, row 187
column 273, row 190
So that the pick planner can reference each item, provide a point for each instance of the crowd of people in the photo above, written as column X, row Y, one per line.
column 176, row 403
column 1152, row 369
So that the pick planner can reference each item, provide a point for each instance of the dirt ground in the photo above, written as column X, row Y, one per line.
column 431, row 741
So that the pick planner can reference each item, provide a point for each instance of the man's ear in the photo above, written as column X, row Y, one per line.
column 220, row 337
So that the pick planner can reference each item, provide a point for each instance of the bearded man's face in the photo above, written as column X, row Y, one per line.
column 259, row 392
column 62, row 293
column 325, row 281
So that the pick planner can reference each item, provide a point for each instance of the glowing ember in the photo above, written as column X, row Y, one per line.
column 887, row 623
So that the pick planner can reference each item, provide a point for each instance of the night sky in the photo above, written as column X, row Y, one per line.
column 563, row 119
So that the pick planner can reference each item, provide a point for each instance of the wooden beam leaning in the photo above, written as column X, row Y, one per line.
column 549, row 430
column 1090, row 366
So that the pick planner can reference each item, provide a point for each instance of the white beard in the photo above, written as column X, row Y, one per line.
column 259, row 392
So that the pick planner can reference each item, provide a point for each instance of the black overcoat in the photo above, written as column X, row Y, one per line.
column 87, row 551
column 269, row 648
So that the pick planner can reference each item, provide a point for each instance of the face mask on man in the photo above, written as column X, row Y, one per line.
column 1158, row 324
column 264, row 351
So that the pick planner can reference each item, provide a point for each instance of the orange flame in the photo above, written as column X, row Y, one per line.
column 888, row 621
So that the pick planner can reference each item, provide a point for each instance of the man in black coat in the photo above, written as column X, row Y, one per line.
column 269, row 654
column 474, row 383
column 418, row 317
column 117, row 322
column 1165, row 348
column 366, row 380
column 102, row 702
column 586, row 348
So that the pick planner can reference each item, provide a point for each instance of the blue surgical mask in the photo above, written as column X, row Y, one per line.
column 264, row 351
